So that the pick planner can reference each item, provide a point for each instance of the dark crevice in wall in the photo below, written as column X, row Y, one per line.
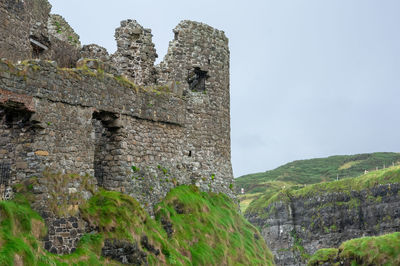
column 17, row 135
column 5, row 173
column 39, row 46
column 100, row 146
column 15, row 114
column 197, row 79
column 106, row 128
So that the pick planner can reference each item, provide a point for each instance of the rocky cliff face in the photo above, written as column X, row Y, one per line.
column 295, row 224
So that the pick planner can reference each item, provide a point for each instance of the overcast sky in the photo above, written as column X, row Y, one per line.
column 309, row 78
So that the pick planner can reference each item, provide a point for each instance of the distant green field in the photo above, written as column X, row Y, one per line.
column 302, row 172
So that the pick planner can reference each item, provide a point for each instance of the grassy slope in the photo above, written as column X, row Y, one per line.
column 318, row 170
column 380, row 250
column 207, row 231
column 20, row 231
column 310, row 172
column 384, row 176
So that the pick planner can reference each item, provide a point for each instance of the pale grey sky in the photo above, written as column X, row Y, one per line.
column 309, row 78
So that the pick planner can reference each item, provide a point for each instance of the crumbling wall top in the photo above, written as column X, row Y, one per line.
column 136, row 53
column 59, row 28
column 94, row 51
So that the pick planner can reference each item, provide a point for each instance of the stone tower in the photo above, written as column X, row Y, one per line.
column 136, row 54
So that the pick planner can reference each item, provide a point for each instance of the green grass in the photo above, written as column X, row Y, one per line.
column 16, row 234
column 207, row 230
column 246, row 199
column 367, row 181
column 270, row 189
column 305, row 172
column 323, row 255
column 209, row 226
column 318, row 170
column 379, row 250
column 21, row 229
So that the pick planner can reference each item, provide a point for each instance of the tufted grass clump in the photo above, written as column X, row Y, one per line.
column 19, row 229
column 210, row 230
column 323, row 255
column 379, row 250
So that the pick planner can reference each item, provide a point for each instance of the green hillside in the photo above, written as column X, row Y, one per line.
column 384, row 176
column 310, row 171
column 318, row 170
column 190, row 228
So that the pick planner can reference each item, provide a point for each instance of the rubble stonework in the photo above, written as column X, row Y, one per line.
column 14, row 30
column 59, row 29
column 137, row 128
column 27, row 30
column 94, row 51
column 64, row 234
column 136, row 54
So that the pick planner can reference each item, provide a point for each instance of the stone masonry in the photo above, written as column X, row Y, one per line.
column 135, row 127
column 136, row 53
column 27, row 30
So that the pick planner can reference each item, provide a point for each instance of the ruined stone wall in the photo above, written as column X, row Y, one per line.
column 59, row 109
column 59, row 142
column 135, row 55
column 59, row 28
column 14, row 30
column 20, row 23
column 198, row 58
column 27, row 30
column 137, row 128
column 57, row 198
column 64, row 44
column 39, row 14
column 94, row 51
column 131, row 139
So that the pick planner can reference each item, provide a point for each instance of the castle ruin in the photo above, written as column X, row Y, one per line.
column 137, row 127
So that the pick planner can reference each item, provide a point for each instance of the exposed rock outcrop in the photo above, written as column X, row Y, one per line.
column 297, row 223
